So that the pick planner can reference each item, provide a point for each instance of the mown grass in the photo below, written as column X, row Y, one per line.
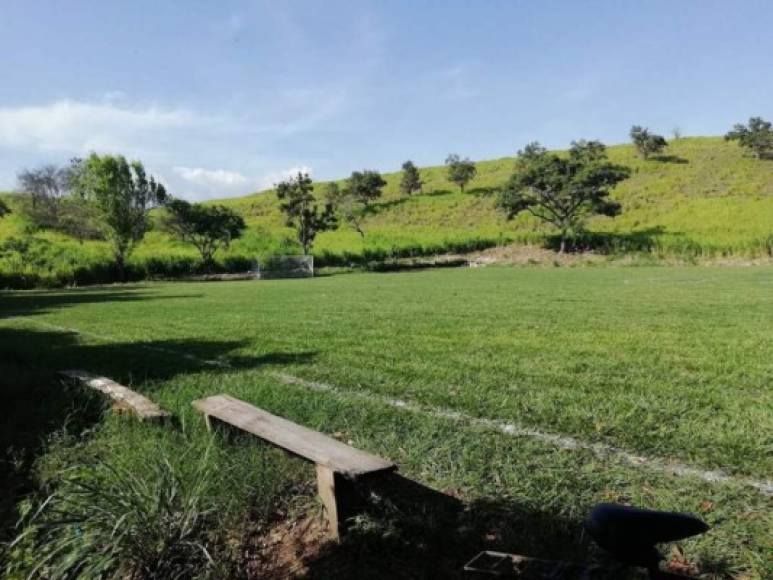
column 704, row 199
column 658, row 361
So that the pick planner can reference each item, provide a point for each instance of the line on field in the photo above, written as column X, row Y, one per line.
column 600, row 450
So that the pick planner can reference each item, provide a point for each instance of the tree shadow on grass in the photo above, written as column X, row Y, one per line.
column 611, row 242
column 122, row 361
column 412, row 531
column 670, row 159
column 132, row 361
column 376, row 208
column 481, row 191
column 27, row 303
column 37, row 403
column 435, row 193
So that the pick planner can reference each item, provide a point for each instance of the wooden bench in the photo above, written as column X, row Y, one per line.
column 338, row 465
column 124, row 399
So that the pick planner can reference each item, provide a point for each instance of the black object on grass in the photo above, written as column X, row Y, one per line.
column 630, row 533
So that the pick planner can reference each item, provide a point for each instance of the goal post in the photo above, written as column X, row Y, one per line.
column 284, row 267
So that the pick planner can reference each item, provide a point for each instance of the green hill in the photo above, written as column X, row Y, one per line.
column 705, row 198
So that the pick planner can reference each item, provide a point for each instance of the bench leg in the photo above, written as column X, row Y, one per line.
column 339, row 497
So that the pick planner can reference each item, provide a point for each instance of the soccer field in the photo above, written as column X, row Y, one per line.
column 547, row 389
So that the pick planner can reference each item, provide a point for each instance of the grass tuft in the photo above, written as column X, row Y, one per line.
column 151, row 521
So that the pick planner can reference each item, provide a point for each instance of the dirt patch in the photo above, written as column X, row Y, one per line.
column 527, row 255
column 516, row 254
column 287, row 549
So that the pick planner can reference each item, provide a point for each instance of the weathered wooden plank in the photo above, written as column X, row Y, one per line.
column 307, row 443
column 490, row 564
column 326, row 489
column 139, row 405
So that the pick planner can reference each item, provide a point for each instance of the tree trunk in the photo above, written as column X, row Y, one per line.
column 120, row 267
column 206, row 262
column 562, row 247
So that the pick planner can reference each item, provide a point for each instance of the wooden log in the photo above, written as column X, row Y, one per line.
column 124, row 398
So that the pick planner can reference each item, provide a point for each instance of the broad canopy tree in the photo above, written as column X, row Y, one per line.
column 460, row 171
column 123, row 194
column 302, row 211
column 365, row 186
column 563, row 189
column 411, row 179
column 647, row 143
column 207, row 227
column 756, row 136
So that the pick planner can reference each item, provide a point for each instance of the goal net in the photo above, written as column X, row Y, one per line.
column 284, row 267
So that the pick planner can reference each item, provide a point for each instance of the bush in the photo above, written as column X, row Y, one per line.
column 107, row 520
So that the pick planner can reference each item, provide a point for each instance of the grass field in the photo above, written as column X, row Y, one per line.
column 672, row 364
column 704, row 199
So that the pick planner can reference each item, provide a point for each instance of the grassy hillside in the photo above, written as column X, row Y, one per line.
column 705, row 198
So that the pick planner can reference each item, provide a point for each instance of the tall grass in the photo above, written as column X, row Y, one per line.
column 131, row 500
column 107, row 520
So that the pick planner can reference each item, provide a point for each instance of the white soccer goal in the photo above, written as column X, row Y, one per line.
column 284, row 267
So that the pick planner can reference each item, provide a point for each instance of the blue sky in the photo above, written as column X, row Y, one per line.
column 223, row 98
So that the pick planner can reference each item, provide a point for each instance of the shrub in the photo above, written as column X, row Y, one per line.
column 107, row 520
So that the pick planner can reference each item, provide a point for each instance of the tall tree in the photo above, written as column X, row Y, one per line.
column 647, row 143
column 302, row 211
column 46, row 201
column 531, row 150
column 563, row 190
column 123, row 193
column 365, row 185
column 345, row 204
column 756, row 136
column 207, row 227
column 46, row 187
column 411, row 180
column 460, row 171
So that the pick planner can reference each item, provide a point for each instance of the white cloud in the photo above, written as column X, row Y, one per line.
column 211, row 177
column 271, row 179
column 203, row 155
column 209, row 183
column 80, row 127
